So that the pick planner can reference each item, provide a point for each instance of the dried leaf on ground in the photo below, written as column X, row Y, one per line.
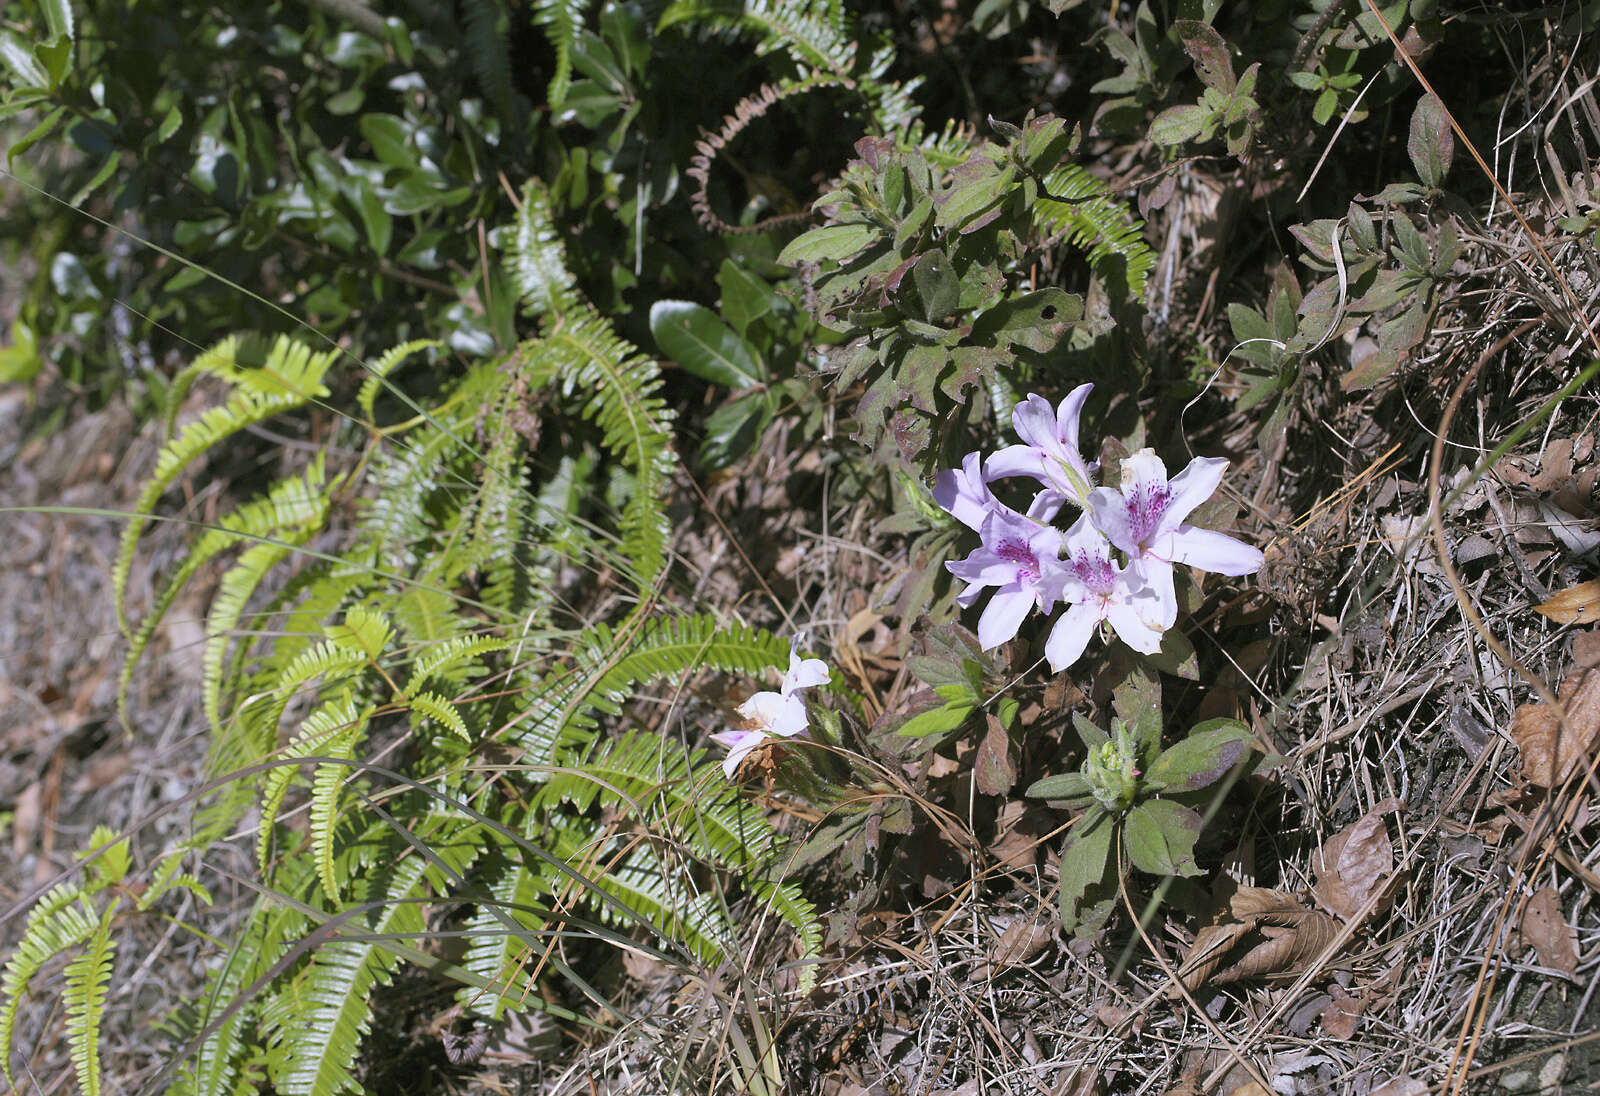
column 1262, row 932
column 1343, row 1014
column 1022, row 941
column 1549, row 753
column 1354, row 864
column 1404, row 1086
column 1578, row 604
column 1586, row 649
column 1545, row 927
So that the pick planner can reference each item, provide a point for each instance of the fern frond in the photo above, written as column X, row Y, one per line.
column 217, row 1066
column 321, row 732
column 1091, row 220
column 493, row 950
column 453, row 660
column 291, row 510
column 535, row 258
column 317, row 1023
column 85, row 999
column 61, row 921
column 814, row 32
column 787, row 902
column 562, row 21
column 619, row 388
column 326, row 785
column 441, row 711
column 291, row 375
column 488, row 28
column 379, row 371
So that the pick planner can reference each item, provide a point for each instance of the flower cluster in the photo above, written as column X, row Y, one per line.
column 781, row 714
column 1113, row 566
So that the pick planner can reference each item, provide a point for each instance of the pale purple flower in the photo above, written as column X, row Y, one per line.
column 1145, row 519
column 1101, row 590
column 964, row 493
column 1050, row 450
column 1021, row 558
column 781, row 714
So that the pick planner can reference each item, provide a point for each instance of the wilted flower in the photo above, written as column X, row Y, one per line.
column 1050, row 450
column 781, row 714
column 1099, row 589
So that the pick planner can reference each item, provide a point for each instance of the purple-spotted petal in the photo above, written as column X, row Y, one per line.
column 1071, row 634
column 1003, row 616
column 1210, row 550
column 983, row 568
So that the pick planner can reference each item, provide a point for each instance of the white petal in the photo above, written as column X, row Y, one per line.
column 1147, row 589
column 774, row 713
column 1003, row 616
column 1133, row 629
column 1109, row 511
column 1210, row 550
column 1191, row 487
column 1071, row 634
column 740, row 743
column 803, row 674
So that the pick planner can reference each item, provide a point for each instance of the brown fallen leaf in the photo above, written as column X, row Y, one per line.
column 1549, row 754
column 1545, row 927
column 1343, row 1014
column 1354, row 864
column 1578, row 604
column 1261, row 932
column 1586, row 649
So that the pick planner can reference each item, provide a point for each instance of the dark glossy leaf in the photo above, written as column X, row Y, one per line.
column 1160, row 837
column 390, row 140
column 697, row 339
column 734, row 428
column 18, row 57
column 746, row 298
column 589, row 103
